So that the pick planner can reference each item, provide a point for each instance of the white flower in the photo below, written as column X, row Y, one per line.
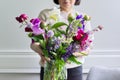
column 54, row 14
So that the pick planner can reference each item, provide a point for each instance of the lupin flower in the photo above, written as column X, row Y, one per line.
column 50, row 33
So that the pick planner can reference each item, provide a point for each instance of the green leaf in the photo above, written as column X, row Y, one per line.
column 70, row 19
column 45, row 52
column 30, row 35
column 67, row 29
column 37, row 38
column 80, row 25
column 61, row 31
column 57, row 33
column 73, row 59
column 42, row 43
column 59, row 24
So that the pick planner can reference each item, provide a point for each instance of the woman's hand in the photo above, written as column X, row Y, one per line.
column 36, row 47
column 77, row 54
column 44, row 59
column 82, row 53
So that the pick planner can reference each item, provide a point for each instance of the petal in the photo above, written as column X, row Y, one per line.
column 19, row 19
column 79, row 16
column 35, row 21
column 24, row 16
column 37, row 30
column 28, row 29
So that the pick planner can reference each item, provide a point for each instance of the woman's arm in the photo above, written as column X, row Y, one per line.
column 36, row 47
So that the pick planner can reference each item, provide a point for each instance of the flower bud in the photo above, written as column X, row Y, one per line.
column 86, row 17
column 23, row 16
column 70, row 18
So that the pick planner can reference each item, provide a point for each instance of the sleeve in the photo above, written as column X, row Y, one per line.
column 89, row 28
column 91, row 36
column 42, row 15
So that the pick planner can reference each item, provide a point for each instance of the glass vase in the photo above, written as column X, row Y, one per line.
column 53, row 71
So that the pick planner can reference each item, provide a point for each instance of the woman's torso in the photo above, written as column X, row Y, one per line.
column 50, row 16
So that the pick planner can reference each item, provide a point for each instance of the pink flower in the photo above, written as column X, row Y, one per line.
column 22, row 18
column 84, row 37
column 79, row 35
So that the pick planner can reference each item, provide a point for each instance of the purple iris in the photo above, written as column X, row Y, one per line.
column 79, row 16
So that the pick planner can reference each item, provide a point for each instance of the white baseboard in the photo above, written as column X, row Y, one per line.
column 28, row 61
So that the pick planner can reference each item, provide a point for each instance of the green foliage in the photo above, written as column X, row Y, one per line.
column 73, row 59
column 37, row 38
column 58, row 24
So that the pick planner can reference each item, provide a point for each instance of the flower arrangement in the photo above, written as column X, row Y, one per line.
column 57, row 44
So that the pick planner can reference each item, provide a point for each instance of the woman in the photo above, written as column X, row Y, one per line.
column 66, row 8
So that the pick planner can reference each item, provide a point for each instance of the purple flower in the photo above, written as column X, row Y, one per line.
column 82, row 21
column 79, row 16
column 69, row 51
column 37, row 30
column 50, row 33
column 35, row 21
column 56, row 42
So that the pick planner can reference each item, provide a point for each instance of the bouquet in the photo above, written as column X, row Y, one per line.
column 59, row 45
